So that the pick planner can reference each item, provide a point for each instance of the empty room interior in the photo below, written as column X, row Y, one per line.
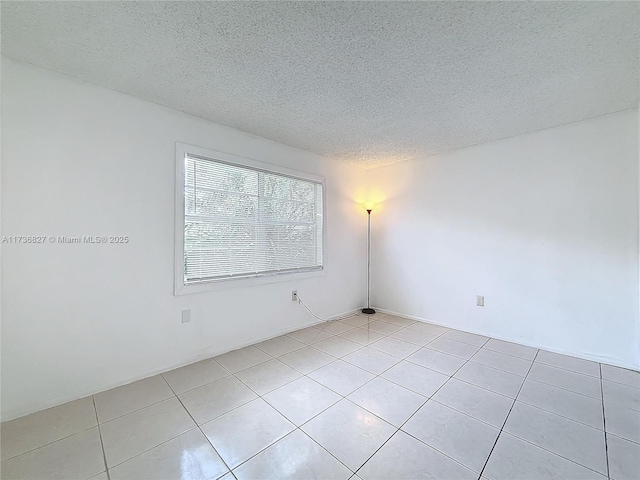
column 320, row 240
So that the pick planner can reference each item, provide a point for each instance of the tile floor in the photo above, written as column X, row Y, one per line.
column 363, row 398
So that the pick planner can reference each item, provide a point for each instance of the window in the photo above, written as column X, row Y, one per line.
column 243, row 219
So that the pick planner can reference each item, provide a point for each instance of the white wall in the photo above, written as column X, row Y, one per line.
column 544, row 225
column 77, row 319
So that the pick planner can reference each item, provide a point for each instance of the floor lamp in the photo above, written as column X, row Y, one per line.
column 368, row 310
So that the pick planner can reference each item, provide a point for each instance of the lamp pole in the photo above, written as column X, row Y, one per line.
column 368, row 310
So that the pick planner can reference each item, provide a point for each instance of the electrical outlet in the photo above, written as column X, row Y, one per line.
column 186, row 315
column 480, row 300
column 294, row 295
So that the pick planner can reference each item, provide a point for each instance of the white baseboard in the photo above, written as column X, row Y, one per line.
column 584, row 356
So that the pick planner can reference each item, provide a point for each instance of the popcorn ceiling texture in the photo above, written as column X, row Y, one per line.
column 370, row 83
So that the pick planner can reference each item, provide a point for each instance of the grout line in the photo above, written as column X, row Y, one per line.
column 137, row 409
column 556, row 454
column 511, row 355
column 418, row 409
column 562, row 416
column 282, row 438
column 58, row 439
column 485, row 388
column 49, row 443
column 604, row 424
column 198, row 427
column 154, row 446
column 610, row 434
column 343, row 397
column 104, row 455
column 405, row 422
column 508, row 414
column 568, row 369
column 502, row 370
column 567, row 389
column 531, row 443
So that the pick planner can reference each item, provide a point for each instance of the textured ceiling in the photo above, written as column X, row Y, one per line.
column 365, row 82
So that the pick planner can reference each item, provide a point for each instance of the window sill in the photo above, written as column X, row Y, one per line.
column 215, row 285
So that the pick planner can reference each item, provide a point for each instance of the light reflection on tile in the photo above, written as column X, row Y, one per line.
column 299, row 425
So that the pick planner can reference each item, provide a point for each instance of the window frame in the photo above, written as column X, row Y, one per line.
column 180, row 288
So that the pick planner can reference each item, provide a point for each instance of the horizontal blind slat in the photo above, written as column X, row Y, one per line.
column 243, row 222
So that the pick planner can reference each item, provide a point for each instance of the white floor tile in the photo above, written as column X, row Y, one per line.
column 417, row 337
column 242, row 359
column 395, row 347
column 356, row 320
column 301, row 400
column 438, row 361
column 371, row 360
column 307, row 359
column 100, row 476
column 337, row 346
column 572, row 381
column 280, row 345
column 362, row 336
column 621, row 395
column 501, row 361
column 415, row 378
column 556, row 400
column 387, row 400
column 490, row 378
column 622, row 422
column 128, row 398
column 621, row 375
column 214, row 399
column 451, row 347
column 349, row 432
column 309, row 335
column 528, row 353
column 294, row 457
column 624, row 459
column 187, row 456
column 489, row 407
column 572, row 440
column 267, row 376
column 466, row 337
column 335, row 327
column 400, row 321
column 428, row 328
column 391, row 379
column 513, row 458
column 341, row 377
column 574, row 364
column 77, row 456
column 194, row 375
column 458, row 436
column 405, row 458
column 41, row 428
column 245, row 431
column 380, row 326
column 135, row 433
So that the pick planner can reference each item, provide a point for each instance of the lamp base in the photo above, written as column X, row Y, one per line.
column 368, row 311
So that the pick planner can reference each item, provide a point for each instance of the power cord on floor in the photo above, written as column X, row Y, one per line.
column 311, row 313
column 308, row 309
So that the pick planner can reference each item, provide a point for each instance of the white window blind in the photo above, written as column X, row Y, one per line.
column 241, row 221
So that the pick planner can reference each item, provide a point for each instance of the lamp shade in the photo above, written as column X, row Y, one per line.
column 369, row 205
